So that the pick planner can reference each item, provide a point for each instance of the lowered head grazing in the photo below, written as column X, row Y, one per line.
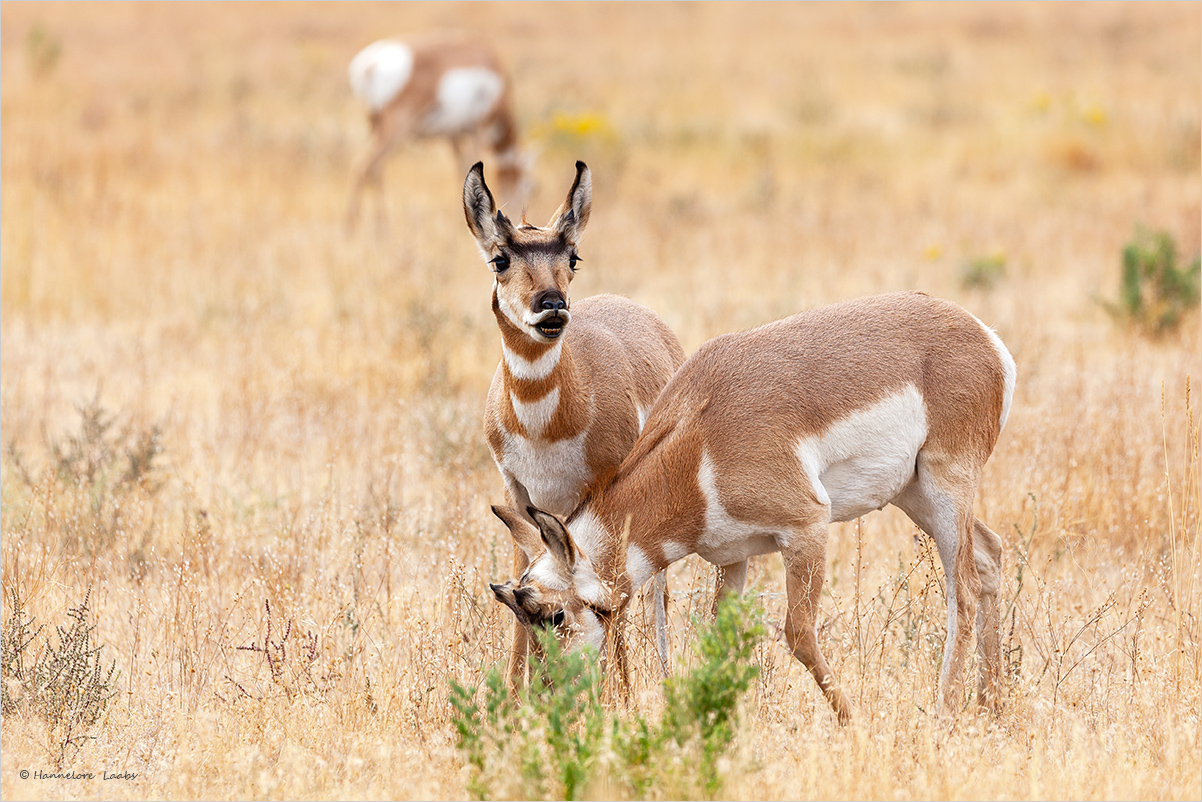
column 764, row 438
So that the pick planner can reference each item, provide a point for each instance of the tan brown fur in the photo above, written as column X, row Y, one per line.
column 746, row 401
column 614, row 357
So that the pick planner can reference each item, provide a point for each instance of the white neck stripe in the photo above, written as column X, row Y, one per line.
column 531, row 370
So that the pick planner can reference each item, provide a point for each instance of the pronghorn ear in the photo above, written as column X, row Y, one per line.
column 487, row 224
column 556, row 539
column 572, row 215
column 525, row 535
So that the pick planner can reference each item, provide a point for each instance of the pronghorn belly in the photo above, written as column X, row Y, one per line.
column 726, row 539
column 466, row 96
column 553, row 473
column 867, row 458
column 379, row 72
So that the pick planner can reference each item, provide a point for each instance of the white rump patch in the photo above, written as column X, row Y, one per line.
column 1009, row 369
column 642, row 416
column 536, row 415
column 868, row 457
column 380, row 71
column 466, row 95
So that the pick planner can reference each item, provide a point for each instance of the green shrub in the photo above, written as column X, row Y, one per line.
column 983, row 272
column 101, row 479
column 556, row 740
column 66, row 685
column 1154, row 289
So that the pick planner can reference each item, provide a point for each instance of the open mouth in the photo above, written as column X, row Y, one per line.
column 551, row 327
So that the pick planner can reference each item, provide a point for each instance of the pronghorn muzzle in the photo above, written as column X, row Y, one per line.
column 551, row 313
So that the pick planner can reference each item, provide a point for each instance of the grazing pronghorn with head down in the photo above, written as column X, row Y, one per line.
column 765, row 437
column 576, row 380
column 439, row 86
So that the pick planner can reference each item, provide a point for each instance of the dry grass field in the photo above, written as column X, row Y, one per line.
column 256, row 441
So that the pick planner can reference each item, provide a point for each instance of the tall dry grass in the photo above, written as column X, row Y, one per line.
column 288, row 585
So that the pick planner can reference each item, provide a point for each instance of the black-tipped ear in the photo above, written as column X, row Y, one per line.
column 555, row 538
column 486, row 223
column 525, row 535
column 572, row 215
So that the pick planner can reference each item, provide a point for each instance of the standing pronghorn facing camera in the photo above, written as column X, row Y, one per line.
column 765, row 437
column 439, row 86
column 576, row 380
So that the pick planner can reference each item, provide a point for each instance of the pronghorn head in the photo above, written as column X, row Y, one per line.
column 560, row 589
column 532, row 266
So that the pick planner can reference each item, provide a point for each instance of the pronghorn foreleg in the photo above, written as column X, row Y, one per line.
column 519, row 498
column 731, row 579
column 655, row 593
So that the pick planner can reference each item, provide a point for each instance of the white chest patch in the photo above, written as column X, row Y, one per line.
column 379, row 72
column 466, row 95
column 535, row 416
column 553, row 473
column 863, row 461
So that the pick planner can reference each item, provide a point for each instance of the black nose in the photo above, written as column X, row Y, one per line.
column 550, row 301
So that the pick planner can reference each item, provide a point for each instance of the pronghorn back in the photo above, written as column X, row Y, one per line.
column 763, row 438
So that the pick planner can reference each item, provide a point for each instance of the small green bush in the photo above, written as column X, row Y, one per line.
column 103, row 476
column 66, row 685
column 1154, row 289
column 556, row 740
column 983, row 272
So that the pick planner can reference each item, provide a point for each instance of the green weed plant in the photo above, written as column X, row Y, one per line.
column 556, row 740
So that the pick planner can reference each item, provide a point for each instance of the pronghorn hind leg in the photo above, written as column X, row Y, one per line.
column 939, row 500
column 368, row 175
column 389, row 130
column 987, row 549
column 805, row 571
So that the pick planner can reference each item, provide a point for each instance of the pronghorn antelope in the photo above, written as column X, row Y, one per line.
column 575, row 381
column 439, row 86
column 765, row 437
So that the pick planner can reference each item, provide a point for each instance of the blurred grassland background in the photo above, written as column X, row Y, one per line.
column 257, row 441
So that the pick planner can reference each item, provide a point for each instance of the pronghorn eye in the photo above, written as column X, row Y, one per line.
column 500, row 263
column 553, row 621
column 572, row 260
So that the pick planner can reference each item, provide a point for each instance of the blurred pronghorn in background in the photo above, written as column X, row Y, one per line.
column 440, row 85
